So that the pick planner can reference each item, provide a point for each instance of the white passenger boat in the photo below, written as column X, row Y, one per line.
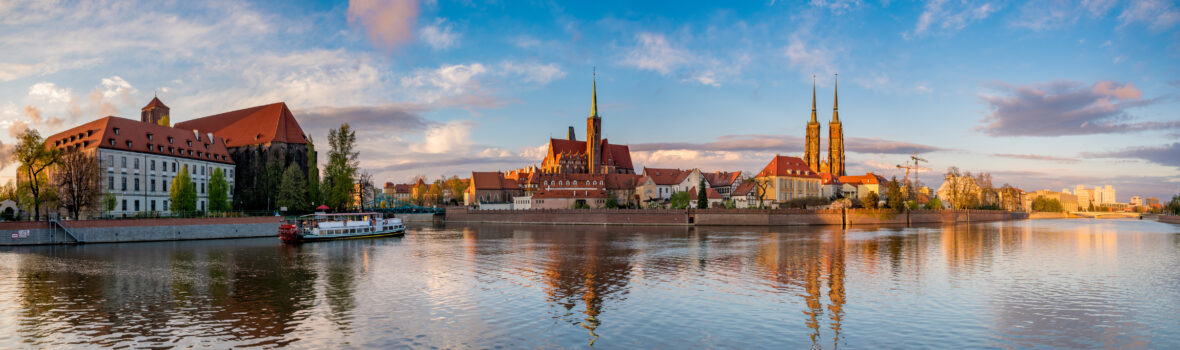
column 319, row 227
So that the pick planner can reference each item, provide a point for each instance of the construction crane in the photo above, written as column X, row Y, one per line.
column 915, row 166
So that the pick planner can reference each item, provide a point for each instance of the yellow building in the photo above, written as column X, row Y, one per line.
column 786, row 178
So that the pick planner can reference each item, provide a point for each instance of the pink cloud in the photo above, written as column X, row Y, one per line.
column 388, row 23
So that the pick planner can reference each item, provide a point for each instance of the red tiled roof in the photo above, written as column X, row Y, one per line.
column 155, row 102
column 666, row 177
column 866, row 179
column 622, row 181
column 787, row 166
column 617, row 155
column 722, row 178
column 709, row 193
column 829, row 179
column 488, row 180
column 101, row 134
column 400, row 188
column 743, row 189
column 251, row 126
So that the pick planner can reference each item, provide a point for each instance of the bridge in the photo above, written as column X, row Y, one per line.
column 1106, row 214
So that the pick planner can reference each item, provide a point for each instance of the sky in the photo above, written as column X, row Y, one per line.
column 1042, row 94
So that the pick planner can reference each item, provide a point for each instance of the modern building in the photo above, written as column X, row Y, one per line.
column 1136, row 201
column 1108, row 195
column 1151, row 201
column 139, row 160
column 788, row 178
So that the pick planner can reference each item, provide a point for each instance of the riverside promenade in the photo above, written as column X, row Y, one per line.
column 135, row 230
column 727, row 217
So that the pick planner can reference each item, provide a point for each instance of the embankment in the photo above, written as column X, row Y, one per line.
column 1171, row 219
column 136, row 230
column 1048, row 215
column 726, row 217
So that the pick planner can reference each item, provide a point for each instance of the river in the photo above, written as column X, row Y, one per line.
column 1074, row 283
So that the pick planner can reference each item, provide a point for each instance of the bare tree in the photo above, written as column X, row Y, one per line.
column 79, row 182
column 960, row 189
column 760, row 190
column 364, row 189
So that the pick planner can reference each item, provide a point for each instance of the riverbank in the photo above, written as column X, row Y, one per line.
column 726, row 217
column 135, row 230
column 1171, row 219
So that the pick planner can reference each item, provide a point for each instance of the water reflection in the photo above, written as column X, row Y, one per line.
column 1069, row 283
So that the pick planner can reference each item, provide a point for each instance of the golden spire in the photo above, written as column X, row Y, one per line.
column 813, row 99
column 836, row 101
column 594, row 101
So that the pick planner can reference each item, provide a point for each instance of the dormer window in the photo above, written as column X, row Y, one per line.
column 116, row 131
column 89, row 132
column 169, row 139
column 128, row 143
column 190, row 143
column 149, row 136
column 149, row 147
column 111, row 141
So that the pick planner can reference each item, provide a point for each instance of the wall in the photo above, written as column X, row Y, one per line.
column 727, row 217
column 417, row 217
column 141, row 230
column 763, row 217
column 571, row 216
column 1048, row 215
column 1171, row 219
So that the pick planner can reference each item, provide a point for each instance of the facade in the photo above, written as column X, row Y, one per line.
column 1068, row 201
column 139, row 160
column 567, row 191
column 715, row 199
column 257, row 138
column 1085, row 197
column 1108, row 195
column 745, row 195
column 723, row 182
column 400, row 192
column 658, row 184
column 1151, row 201
column 522, row 203
column 788, row 178
column 859, row 186
column 490, row 188
column 834, row 164
column 1136, row 201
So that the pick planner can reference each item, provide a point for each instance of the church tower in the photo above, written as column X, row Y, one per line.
column 836, row 136
column 155, row 112
column 811, row 149
column 594, row 133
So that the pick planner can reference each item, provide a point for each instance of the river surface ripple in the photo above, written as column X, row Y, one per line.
column 1045, row 283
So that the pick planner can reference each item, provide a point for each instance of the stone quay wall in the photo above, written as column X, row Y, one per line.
column 727, row 217
column 137, row 230
column 1048, row 215
column 1171, row 219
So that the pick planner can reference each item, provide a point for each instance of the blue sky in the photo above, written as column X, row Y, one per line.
column 1045, row 94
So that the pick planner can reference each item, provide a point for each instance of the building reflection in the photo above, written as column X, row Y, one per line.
column 813, row 269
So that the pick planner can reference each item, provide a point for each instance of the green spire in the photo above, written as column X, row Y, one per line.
column 813, row 99
column 594, row 101
column 836, row 100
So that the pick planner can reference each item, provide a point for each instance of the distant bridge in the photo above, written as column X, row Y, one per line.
column 1106, row 214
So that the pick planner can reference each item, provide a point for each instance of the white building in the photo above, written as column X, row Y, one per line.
column 1136, row 201
column 522, row 202
column 140, row 160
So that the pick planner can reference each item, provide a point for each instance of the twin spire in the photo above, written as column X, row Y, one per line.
column 835, row 101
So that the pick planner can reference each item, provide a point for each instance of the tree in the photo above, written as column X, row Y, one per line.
column 342, row 167
column 183, row 193
column 1009, row 197
column 612, row 203
column 35, row 160
column 109, row 201
column 291, row 192
column 313, row 176
column 702, row 196
column 434, row 193
column 894, row 198
column 1174, row 205
column 457, row 187
column 934, row 204
column 871, row 200
column 219, row 191
column 761, row 188
column 1046, row 204
column 679, row 200
column 364, row 189
column 960, row 189
column 79, row 182
column 987, row 193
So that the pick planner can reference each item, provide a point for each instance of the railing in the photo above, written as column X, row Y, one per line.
column 57, row 225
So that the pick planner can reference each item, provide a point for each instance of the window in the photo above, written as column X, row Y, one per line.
column 124, row 159
column 149, row 136
column 111, row 183
column 169, row 139
column 153, row 188
column 124, row 188
column 111, row 141
column 174, row 167
column 137, row 186
column 136, row 205
column 153, row 164
column 149, row 146
column 153, row 205
column 202, row 188
column 128, row 143
column 202, row 170
column 190, row 143
column 116, row 131
column 110, row 161
column 124, row 205
column 137, row 163
column 164, row 185
column 194, row 170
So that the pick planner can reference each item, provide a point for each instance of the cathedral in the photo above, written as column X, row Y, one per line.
column 594, row 156
column 835, row 163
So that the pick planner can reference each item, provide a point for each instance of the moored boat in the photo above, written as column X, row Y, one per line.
column 321, row 227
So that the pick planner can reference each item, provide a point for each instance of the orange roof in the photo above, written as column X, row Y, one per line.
column 829, row 179
column 722, row 178
column 136, row 136
column 709, row 193
column 488, row 180
column 743, row 189
column 622, row 181
column 155, row 102
column 616, row 155
column 866, row 179
column 787, row 166
column 666, row 177
column 251, row 126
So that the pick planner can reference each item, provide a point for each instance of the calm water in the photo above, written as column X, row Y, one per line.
column 1054, row 283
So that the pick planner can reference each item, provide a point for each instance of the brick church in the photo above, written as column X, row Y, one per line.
column 835, row 163
column 595, row 155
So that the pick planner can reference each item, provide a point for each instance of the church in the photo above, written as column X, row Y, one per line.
column 595, row 155
column 835, row 163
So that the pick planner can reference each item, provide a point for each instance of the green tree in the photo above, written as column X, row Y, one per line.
column 1046, row 204
column 314, row 197
column 612, row 202
column 342, row 167
column 219, row 192
column 35, row 159
column 183, row 193
column 894, row 197
column 109, row 201
column 291, row 191
column 871, row 200
column 680, row 200
column 1174, row 205
column 702, row 196
column 934, row 204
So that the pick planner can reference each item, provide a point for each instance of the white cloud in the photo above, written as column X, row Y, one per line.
column 49, row 93
column 533, row 72
column 1158, row 14
column 440, row 35
column 838, row 7
column 813, row 59
column 949, row 16
column 448, row 79
column 454, row 136
column 653, row 53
